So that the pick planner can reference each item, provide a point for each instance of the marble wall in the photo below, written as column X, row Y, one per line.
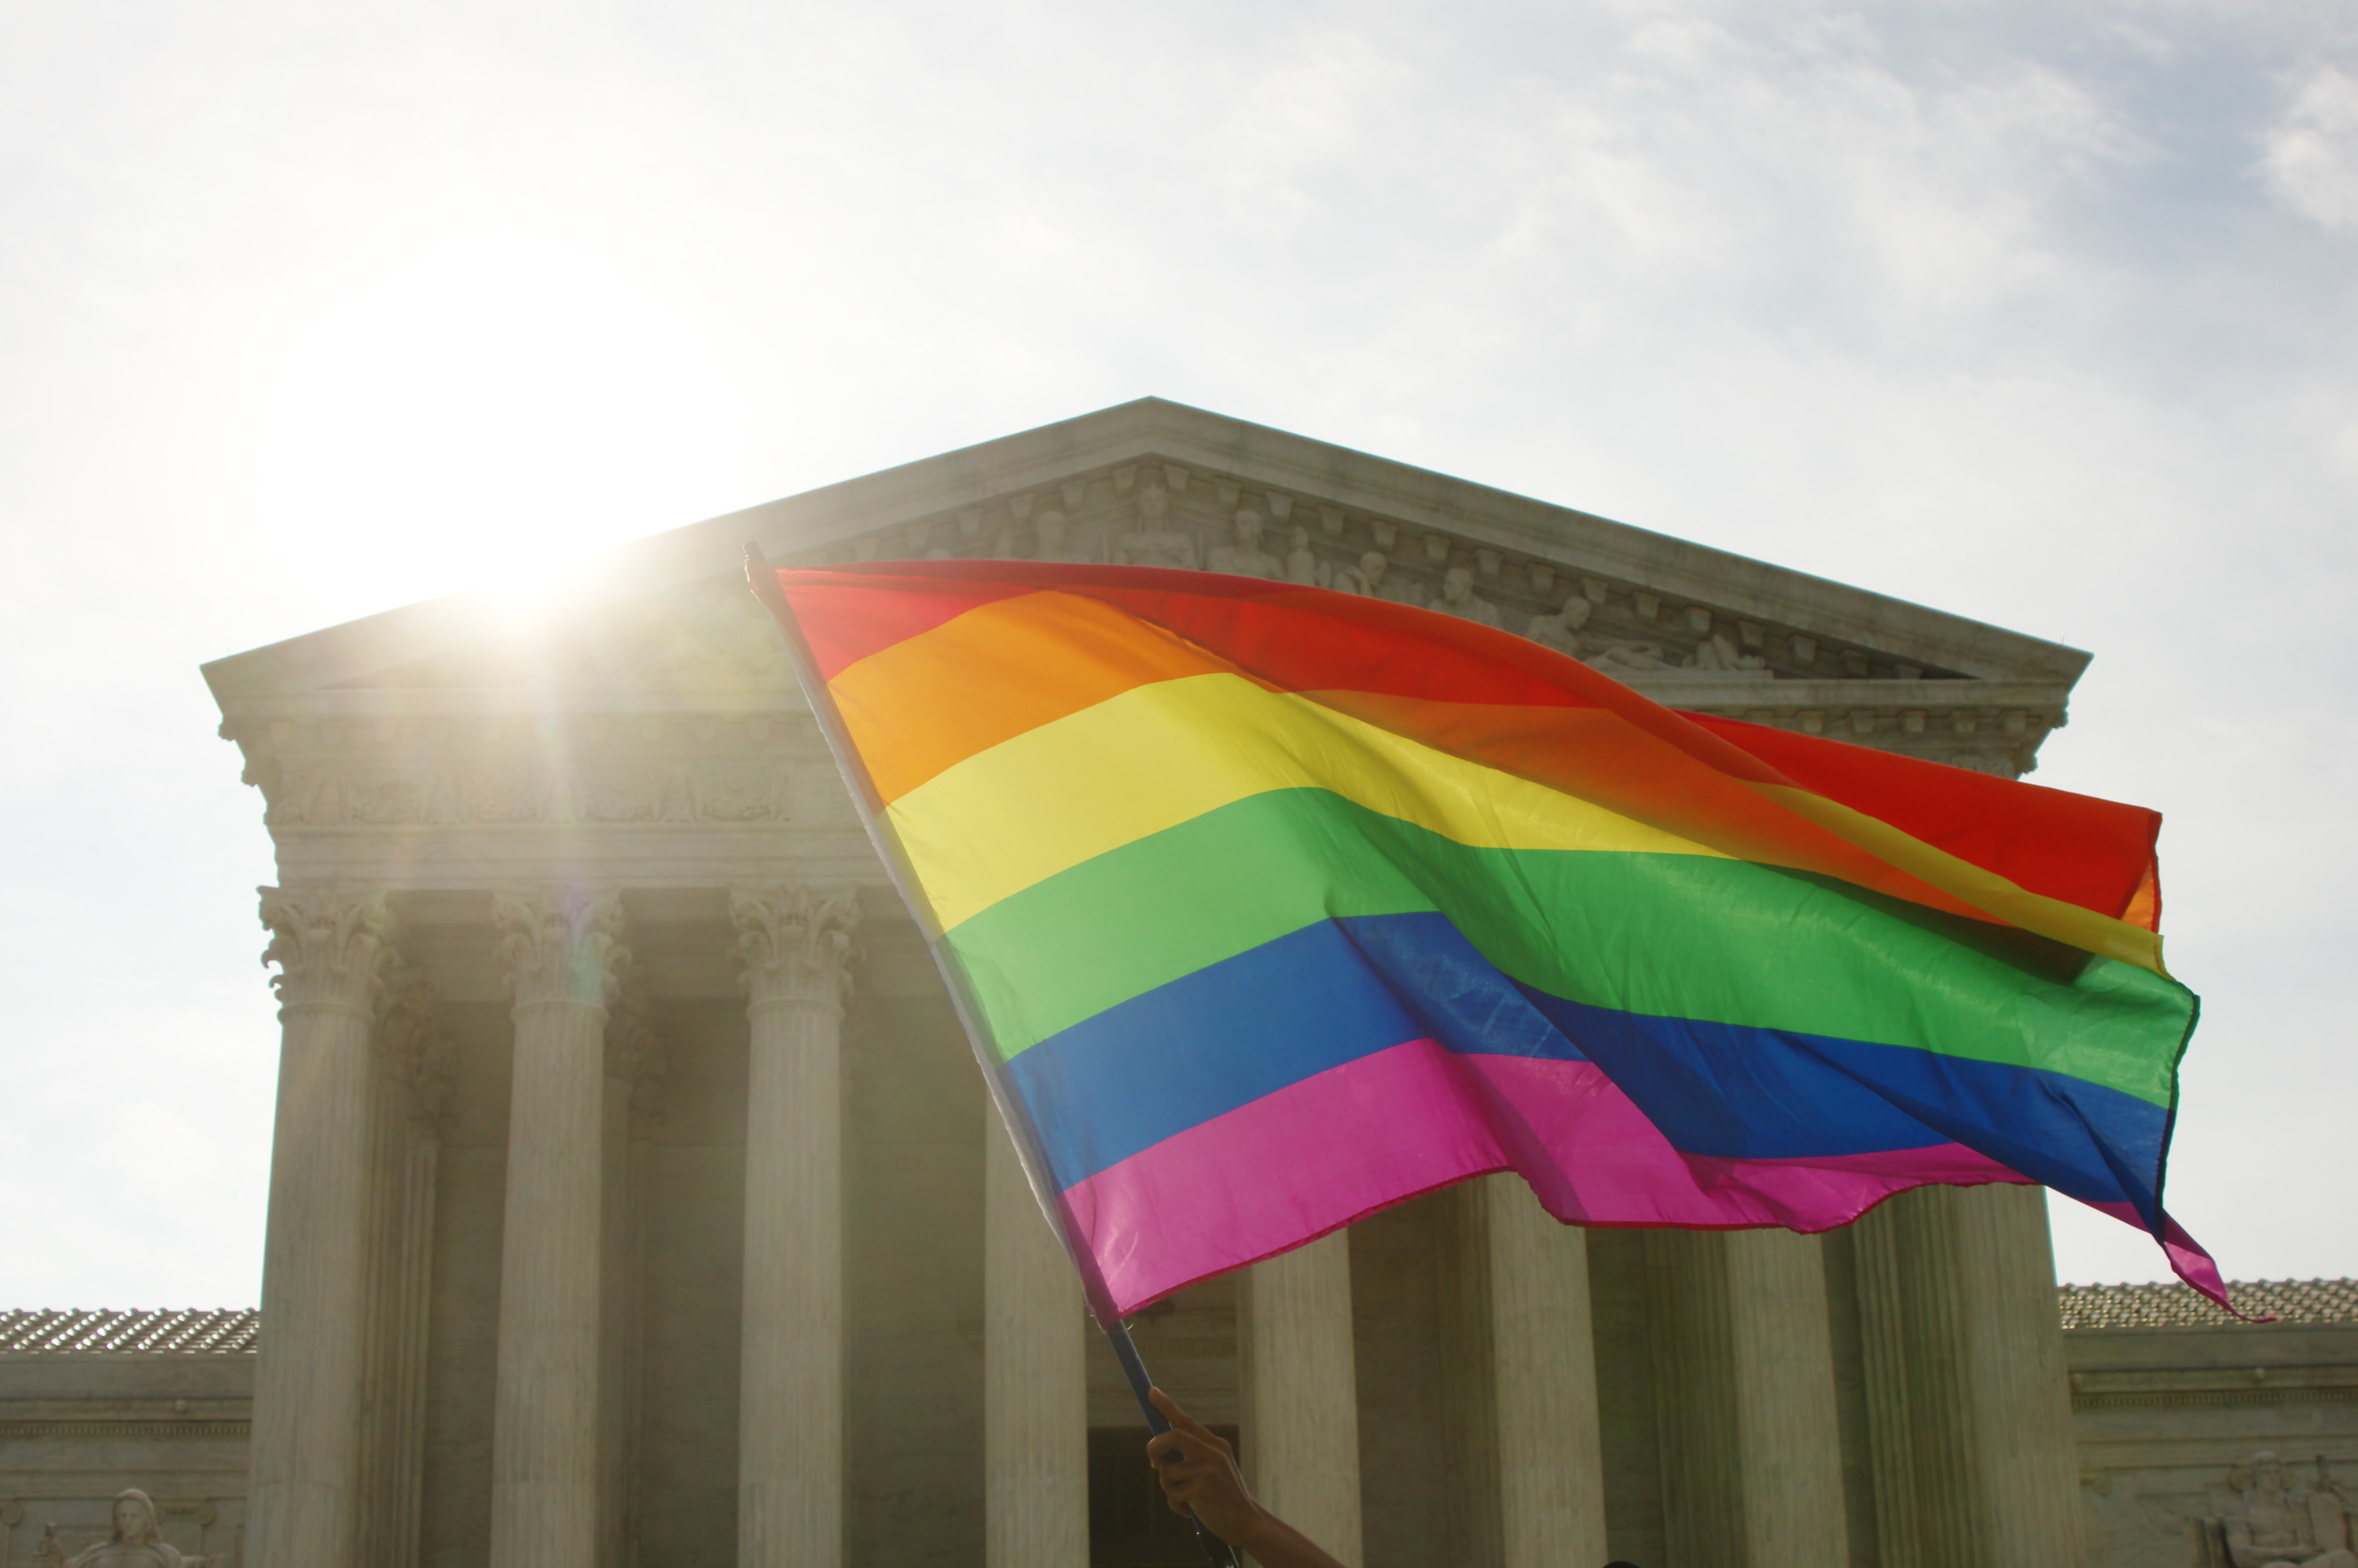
column 2168, row 1420
column 77, row 1429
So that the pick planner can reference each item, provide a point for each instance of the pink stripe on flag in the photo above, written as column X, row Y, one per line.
column 1593, row 1159
column 1361, row 1137
column 2187, row 1258
column 1280, row 1171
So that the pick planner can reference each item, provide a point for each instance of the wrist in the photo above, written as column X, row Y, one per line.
column 1262, row 1528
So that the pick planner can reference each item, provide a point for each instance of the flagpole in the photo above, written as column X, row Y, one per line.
column 868, row 804
column 1217, row 1553
column 763, row 580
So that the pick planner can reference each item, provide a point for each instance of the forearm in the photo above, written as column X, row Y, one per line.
column 1274, row 1543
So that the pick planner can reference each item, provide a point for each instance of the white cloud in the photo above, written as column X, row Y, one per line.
column 315, row 313
column 2312, row 158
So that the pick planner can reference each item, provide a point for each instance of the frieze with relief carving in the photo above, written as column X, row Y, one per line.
column 2284, row 1518
column 1170, row 515
column 1687, row 655
column 409, row 775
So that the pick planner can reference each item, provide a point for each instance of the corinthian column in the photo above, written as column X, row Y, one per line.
column 1301, row 1393
column 1968, row 1405
column 2026, row 1462
column 797, row 946
column 329, row 947
column 1035, row 1401
column 562, row 959
column 412, row 1090
column 1743, row 1355
column 634, row 1062
column 1551, row 1451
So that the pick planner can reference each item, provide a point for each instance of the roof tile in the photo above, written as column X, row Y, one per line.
column 2174, row 1305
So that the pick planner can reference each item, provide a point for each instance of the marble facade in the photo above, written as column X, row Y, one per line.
column 2175, row 1404
column 2171, row 1400
column 632, row 1197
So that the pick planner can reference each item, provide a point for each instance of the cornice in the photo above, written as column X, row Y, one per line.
column 1310, row 478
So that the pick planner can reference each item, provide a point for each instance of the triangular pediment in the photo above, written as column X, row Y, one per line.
column 666, row 620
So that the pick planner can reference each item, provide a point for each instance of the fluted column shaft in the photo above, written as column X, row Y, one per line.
column 1884, row 1344
column 1551, row 1450
column 1966, row 1382
column 1035, row 1388
column 304, row 1507
column 1752, row 1445
column 796, row 942
column 2019, row 1384
column 1789, row 1431
column 562, row 957
column 1301, row 1434
column 411, row 1089
column 634, row 1061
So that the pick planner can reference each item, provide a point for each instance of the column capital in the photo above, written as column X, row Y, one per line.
column 561, row 944
column 412, row 1044
column 332, row 945
column 795, row 941
column 636, row 1052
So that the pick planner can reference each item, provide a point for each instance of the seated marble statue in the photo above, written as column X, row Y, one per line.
column 1246, row 558
column 1458, row 598
column 1562, row 630
column 137, row 1541
column 1302, row 564
column 2284, row 1526
column 1154, row 543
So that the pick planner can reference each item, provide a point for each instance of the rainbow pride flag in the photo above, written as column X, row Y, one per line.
column 1268, row 907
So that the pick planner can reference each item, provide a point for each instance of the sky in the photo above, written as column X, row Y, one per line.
column 2043, row 315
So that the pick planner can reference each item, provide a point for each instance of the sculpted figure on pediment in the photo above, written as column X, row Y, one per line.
column 1616, row 658
column 1154, row 542
column 1246, row 558
column 1458, row 598
column 1374, row 578
column 1717, row 655
column 2281, row 1524
column 1055, row 540
column 1562, row 630
column 1302, row 564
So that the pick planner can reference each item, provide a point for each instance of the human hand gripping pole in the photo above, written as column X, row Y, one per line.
column 1201, row 1479
column 1217, row 1552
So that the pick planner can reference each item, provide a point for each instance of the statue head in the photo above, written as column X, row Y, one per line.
column 1153, row 503
column 1301, row 538
column 1248, row 529
column 1371, row 567
column 1051, row 528
column 1574, row 613
column 1458, row 584
column 135, row 1517
column 2267, row 1472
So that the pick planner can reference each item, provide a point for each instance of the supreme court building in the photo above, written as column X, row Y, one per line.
column 635, row 1200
